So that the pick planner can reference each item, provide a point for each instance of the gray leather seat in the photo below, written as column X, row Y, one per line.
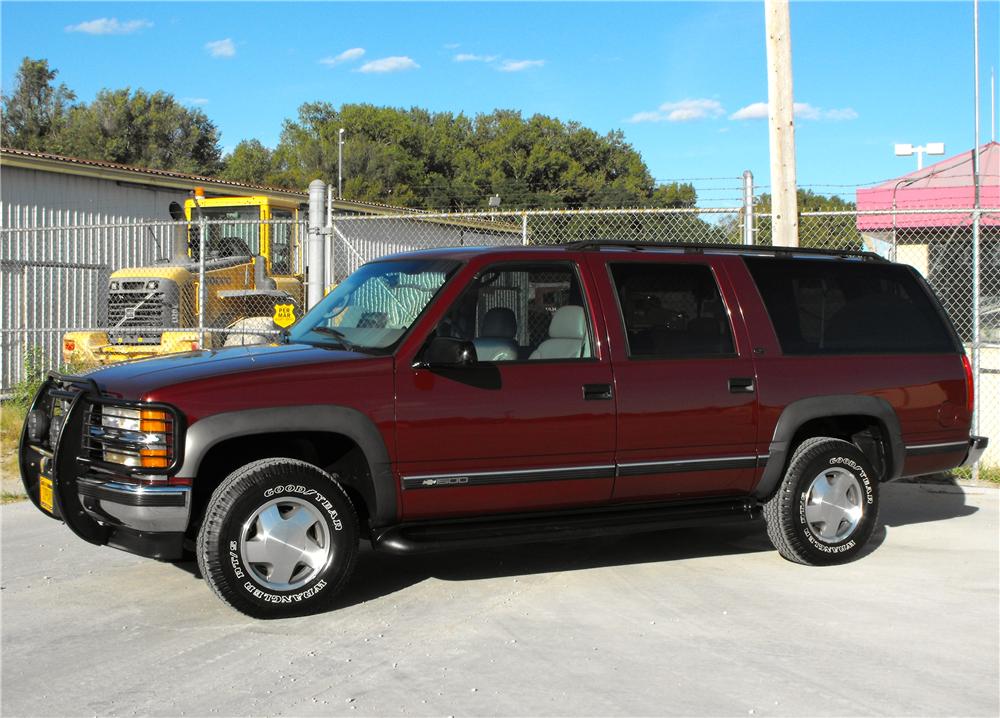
column 496, row 339
column 567, row 336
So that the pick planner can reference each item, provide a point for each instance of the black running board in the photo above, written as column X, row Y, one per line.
column 425, row 536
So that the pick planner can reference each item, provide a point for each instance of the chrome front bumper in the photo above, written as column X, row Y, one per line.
column 138, row 507
column 977, row 445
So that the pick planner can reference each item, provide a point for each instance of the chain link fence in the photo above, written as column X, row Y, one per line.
column 82, row 294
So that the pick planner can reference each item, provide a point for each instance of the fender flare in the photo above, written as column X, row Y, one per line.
column 208, row 432
column 818, row 407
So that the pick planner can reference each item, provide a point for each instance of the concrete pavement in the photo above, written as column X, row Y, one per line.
column 706, row 621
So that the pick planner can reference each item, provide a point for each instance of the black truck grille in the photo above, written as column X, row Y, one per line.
column 137, row 313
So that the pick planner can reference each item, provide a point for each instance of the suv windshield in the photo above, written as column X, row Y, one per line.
column 374, row 307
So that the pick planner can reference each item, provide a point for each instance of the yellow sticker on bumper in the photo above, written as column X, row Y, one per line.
column 45, row 493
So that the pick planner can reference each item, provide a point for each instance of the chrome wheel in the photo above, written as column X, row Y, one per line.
column 285, row 543
column 833, row 505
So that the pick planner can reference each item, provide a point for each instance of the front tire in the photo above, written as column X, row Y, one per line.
column 280, row 538
column 826, row 508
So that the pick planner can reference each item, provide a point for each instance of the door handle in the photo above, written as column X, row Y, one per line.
column 741, row 385
column 597, row 392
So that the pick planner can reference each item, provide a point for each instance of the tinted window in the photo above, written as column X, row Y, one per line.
column 671, row 310
column 837, row 307
column 518, row 312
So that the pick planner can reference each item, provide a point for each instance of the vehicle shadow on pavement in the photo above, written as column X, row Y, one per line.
column 936, row 498
column 378, row 574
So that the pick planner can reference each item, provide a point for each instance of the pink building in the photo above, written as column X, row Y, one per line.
column 946, row 184
column 939, row 245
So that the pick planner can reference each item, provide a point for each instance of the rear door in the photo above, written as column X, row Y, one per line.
column 684, row 375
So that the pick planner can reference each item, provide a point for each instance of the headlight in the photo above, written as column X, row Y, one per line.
column 136, row 437
column 152, row 284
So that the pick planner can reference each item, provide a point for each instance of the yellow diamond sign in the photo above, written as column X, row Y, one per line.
column 284, row 315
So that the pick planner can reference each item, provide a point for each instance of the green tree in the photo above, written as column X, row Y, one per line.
column 143, row 129
column 36, row 109
column 823, row 231
column 250, row 162
column 431, row 160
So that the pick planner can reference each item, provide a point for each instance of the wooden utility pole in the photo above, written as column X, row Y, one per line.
column 781, row 124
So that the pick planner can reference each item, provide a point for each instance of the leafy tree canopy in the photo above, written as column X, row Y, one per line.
column 417, row 158
column 36, row 109
column 815, row 230
column 135, row 128
column 250, row 162
column 142, row 129
column 414, row 158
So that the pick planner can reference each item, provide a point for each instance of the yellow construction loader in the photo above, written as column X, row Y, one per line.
column 252, row 278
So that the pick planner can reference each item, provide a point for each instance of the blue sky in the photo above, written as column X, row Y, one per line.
column 680, row 79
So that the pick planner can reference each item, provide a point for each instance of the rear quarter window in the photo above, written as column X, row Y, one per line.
column 821, row 306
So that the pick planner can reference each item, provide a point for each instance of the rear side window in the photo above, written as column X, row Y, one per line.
column 671, row 311
column 835, row 307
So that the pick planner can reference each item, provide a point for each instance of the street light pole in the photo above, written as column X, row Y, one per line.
column 340, row 164
column 907, row 150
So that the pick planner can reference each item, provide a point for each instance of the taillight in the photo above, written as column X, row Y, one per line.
column 69, row 345
column 970, row 387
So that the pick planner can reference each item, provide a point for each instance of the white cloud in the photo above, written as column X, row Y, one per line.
column 844, row 113
column 519, row 65
column 221, row 48
column 109, row 26
column 389, row 64
column 355, row 53
column 683, row 111
column 753, row 111
column 195, row 100
column 645, row 117
column 803, row 111
column 467, row 57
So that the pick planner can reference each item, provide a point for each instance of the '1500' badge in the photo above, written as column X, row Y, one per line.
column 284, row 315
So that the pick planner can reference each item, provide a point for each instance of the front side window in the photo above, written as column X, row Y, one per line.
column 671, row 311
column 375, row 306
column 522, row 312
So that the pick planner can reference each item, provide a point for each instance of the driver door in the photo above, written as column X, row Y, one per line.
column 531, row 425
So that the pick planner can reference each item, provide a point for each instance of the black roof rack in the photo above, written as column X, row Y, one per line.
column 698, row 247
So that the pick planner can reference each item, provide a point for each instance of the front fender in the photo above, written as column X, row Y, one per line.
column 206, row 433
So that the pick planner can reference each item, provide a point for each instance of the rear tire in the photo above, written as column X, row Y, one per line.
column 280, row 538
column 826, row 508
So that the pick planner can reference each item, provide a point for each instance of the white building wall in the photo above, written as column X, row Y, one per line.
column 34, row 198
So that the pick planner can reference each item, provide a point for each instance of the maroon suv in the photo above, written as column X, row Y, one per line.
column 468, row 397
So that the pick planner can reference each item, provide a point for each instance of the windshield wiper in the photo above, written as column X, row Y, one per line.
column 336, row 334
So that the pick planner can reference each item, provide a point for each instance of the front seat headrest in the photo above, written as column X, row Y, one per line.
column 568, row 322
column 499, row 323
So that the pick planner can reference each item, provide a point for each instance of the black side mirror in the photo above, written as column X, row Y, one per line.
column 445, row 352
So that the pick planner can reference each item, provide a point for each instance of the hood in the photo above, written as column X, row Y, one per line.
column 132, row 379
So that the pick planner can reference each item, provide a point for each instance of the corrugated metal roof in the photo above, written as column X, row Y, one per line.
column 953, row 172
column 147, row 172
column 947, row 184
column 169, row 178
